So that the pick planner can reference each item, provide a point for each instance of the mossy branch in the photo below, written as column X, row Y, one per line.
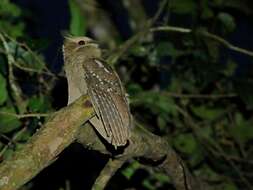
column 64, row 127
column 59, row 131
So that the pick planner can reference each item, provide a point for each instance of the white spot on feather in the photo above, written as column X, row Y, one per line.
column 102, row 66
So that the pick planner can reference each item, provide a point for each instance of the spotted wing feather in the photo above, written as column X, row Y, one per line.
column 109, row 101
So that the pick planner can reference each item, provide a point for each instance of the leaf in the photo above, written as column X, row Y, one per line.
column 162, row 178
column 162, row 121
column 244, row 88
column 230, row 68
column 228, row 186
column 148, row 185
column 25, row 136
column 134, row 89
column 206, row 113
column 207, row 173
column 205, row 132
column 39, row 104
column 10, row 15
column 8, row 123
column 207, row 13
column 139, row 50
column 8, row 154
column 157, row 103
column 185, row 143
column 183, row 6
column 129, row 171
column 3, row 90
column 77, row 22
column 227, row 20
column 167, row 49
column 243, row 131
column 26, row 58
column 29, row 60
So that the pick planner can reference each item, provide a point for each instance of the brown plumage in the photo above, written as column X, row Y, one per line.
column 87, row 73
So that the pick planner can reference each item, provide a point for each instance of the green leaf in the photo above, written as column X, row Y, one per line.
column 227, row 20
column 3, row 90
column 162, row 178
column 185, row 143
column 183, row 6
column 26, row 58
column 230, row 68
column 24, row 136
column 206, row 113
column 207, row 173
column 244, row 88
column 157, row 103
column 206, row 132
column 148, row 185
column 243, row 131
column 39, row 104
column 129, row 171
column 207, row 13
column 8, row 123
column 77, row 22
column 10, row 15
column 228, row 186
column 139, row 50
column 8, row 154
column 162, row 121
column 134, row 89
column 167, row 49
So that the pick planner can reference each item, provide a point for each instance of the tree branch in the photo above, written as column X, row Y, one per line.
column 21, row 116
column 108, row 171
column 63, row 127
column 43, row 148
column 147, row 146
column 205, row 34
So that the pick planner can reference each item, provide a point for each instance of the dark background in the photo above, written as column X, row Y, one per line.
column 152, row 69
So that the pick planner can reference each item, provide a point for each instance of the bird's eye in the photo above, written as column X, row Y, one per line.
column 81, row 42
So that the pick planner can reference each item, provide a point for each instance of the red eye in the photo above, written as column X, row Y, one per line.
column 81, row 42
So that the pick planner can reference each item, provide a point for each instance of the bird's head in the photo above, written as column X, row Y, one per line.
column 81, row 45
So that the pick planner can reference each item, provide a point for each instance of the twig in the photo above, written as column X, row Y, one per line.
column 205, row 34
column 24, row 68
column 11, row 79
column 202, row 138
column 126, row 45
column 108, row 171
column 12, row 140
column 231, row 163
column 28, row 69
column 20, row 116
column 201, row 96
column 48, row 72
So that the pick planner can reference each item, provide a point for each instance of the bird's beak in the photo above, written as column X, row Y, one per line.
column 93, row 42
column 66, row 35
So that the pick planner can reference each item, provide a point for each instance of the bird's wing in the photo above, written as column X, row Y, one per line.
column 109, row 101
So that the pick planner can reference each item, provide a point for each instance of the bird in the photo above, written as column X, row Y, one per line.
column 88, row 73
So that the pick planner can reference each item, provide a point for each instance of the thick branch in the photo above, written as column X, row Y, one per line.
column 144, row 144
column 43, row 148
column 64, row 127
